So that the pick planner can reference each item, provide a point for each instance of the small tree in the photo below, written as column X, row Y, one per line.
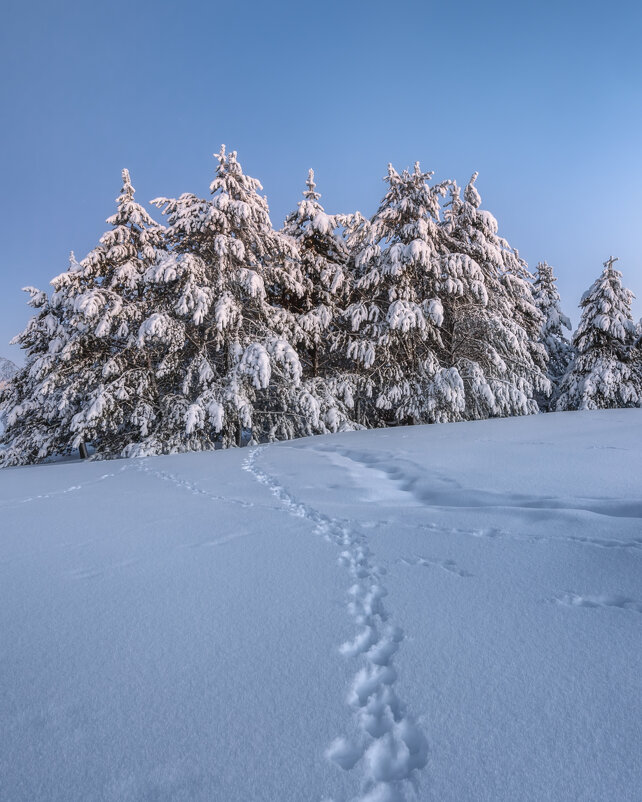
column 603, row 374
column 557, row 345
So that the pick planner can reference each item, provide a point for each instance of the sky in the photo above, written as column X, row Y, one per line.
column 544, row 99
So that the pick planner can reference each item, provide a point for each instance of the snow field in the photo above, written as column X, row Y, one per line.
column 445, row 612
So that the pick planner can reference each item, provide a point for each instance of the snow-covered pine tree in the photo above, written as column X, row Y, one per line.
column 395, row 314
column 221, row 328
column 636, row 351
column 7, row 371
column 107, row 301
column 327, row 388
column 491, row 324
column 90, row 382
column 34, row 428
column 603, row 374
column 557, row 345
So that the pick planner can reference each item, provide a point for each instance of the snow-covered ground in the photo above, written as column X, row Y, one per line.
column 451, row 612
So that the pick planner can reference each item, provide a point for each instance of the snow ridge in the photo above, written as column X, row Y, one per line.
column 390, row 746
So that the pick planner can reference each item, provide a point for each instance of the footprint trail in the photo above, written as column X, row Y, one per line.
column 602, row 600
column 450, row 566
column 390, row 748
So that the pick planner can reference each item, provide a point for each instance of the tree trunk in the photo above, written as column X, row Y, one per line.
column 83, row 450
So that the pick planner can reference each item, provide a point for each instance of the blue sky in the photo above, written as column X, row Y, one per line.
column 544, row 99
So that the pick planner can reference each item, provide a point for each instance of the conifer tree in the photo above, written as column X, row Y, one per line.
column 394, row 315
column 327, row 388
column 557, row 345
column 603, row 374
column 324, row 257
column 88, row 380
column 491, row 324
column 221, row 329
column 33, row 426
column 107, row 301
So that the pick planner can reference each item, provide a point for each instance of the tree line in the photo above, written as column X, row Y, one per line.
column 217, row 329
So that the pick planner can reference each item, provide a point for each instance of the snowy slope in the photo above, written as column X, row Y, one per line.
column 454, row 609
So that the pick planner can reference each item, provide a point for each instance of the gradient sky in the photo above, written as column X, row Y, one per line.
column 544, row 99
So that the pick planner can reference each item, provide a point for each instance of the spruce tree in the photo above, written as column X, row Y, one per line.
column 395, row 314
column 603, row 374
column 327, row 388
column 222, row 330
column 34, row 427
column 491, row 324
column 107, row 301
column 88, row 381
column 558, row 348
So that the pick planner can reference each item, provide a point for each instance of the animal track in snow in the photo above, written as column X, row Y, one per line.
column 494, row 533
column 98, row 573
column 84, row 573
column 191, row 487
column 65, row 491
column 219, row 541
column 603, row 600
column 390, row 747
column 634, row 544
column 446, row 565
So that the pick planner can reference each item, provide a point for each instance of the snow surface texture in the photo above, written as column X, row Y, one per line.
column 441, row 613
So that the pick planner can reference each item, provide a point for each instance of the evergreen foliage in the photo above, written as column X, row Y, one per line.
column 327, row 397
column 558, row 348
column 395, row 313
column 217, row 329
column 604, row 373
column 491, row 324
column 84, row 378
column 32, row 423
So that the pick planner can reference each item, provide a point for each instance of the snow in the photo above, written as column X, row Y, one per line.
column 452, row 608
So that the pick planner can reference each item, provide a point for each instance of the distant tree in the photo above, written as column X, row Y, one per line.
column 491, row 325
column 395, row 314
column 603, row 374
column 636, row 353
column 557, row 345
column 7, row 370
